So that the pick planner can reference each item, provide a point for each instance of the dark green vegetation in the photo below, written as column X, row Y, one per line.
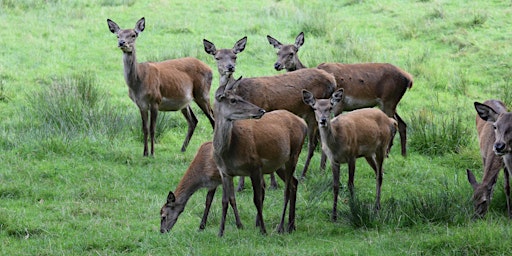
column 73, row 180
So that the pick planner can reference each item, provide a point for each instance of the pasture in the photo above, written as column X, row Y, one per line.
column 73, row 180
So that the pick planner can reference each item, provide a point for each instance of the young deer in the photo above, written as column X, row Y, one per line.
column 202, row 173
column 365, row 85
column 226, row 63
column 255, row 147
column 364, row 133
column 494, row 126
column 163, row 86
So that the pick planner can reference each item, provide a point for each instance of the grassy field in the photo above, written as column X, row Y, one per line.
column 73, row 180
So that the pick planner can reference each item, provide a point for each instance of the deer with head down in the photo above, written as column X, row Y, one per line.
column 226, row 64
column 365, row 84
column 202, row 173
column 270, row 141
column 494, row 126
column 163, row 86
column 366, row 132
column 281, row 92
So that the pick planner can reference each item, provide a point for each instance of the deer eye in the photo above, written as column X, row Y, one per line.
column 494, row 126
column 232, row 101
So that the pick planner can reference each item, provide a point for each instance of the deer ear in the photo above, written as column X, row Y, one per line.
column 472, row 179
column 171, row 199
column 140, row 25
column 233, row 85
column 240, row 45
column 112, row 26
column 209, row 47
column 485, row 112
column 274, row 42
column 308, row 98
column 299, row 40
column 337, row 96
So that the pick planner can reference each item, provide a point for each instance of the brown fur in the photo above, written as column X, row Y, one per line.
column 201, row 173
column 365, row 84
column 256, row 147
column 364, row 133
column 163, row 86
column 495, row 112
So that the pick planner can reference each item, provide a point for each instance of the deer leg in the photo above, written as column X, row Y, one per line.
column 273, row 181
column 208, row 204
column 152, row 128
column 204, row 105
column 351, row 172
column 144, row 116
column 335, row 188
column 192, row 123
column 312, row 142
column 323, row 160
column 402, row 130
column 507, row 192
column 257, row 187
column 376, row 164
column 227, row 194
column 241, row 184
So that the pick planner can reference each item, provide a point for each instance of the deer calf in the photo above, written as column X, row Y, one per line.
column 364, row 133
column 494, row 127
column 252, row 148
column 163, row 86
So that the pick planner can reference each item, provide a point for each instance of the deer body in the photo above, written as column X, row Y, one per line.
column 495, row 149
column 361, row 133
column 256, row 147
column 365, row 84
column 163, row 86
column 202, row 173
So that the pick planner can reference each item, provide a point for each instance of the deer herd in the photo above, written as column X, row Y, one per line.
column 260, row 124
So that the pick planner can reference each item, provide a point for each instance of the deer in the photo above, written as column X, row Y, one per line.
column 365, row 132
column 283, row 91
column 163, row 86
column 494, row 124
column 365, row 84
column 226, row 64
column 248, row 141
column 201, row 173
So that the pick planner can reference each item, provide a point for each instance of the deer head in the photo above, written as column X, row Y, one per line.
column 322, row 107
column 225, row 58
column 169, row 213
column 287, row 54
column 502, row 124
column 126, row 37
column 233, row 107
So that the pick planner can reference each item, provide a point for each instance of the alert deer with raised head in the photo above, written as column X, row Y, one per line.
column 163, row 86
column 494, row 126
column 366, row 132
column 364, row 84
column 202, row 173
column 226, row 64
column 284, row 92
column 269, row 142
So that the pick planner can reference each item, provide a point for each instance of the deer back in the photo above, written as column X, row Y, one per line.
column 369, row 84
column 284, row 91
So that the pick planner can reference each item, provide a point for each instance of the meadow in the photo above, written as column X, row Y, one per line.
column 73, row 180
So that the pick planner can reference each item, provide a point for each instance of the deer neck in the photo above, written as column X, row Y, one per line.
column 222, row 136
column 327, row 136
column 298, row 65
column 131, row 70
column 226, row 79
column 186, row 188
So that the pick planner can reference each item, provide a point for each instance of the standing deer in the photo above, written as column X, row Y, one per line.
column 494, row 126
column 284, row 92
column 163, row 86
column 365, row 85
column 364, row 133
column 201, row 173
column 255, row 147
column 226, row 63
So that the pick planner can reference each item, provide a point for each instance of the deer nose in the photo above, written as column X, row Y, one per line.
column 121, row 43
column 323, row 121
column 499, row 147
column 230, row 68
column 277, row 66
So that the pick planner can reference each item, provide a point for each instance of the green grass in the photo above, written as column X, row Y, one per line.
column 73, row 180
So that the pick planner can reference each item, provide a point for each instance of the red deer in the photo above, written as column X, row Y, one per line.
column 284, row 92
column 226, row 64
column 494, row 126
column 201, row 173
column 364, row 133
column 163, row 86
column 242, row 147
column 365, row 85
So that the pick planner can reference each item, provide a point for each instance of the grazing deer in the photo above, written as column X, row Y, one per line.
column 163, row 86
column 201, row 173
column 255, row 147
column 365, row 85
column 494, row 126
column 226, row 63
column 364, row 133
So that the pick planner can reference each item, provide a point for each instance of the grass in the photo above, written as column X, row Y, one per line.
column 73, row 180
